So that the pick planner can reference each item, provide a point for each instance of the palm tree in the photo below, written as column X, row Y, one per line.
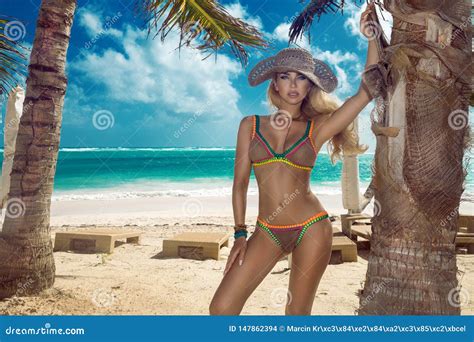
column 418, row 174
column 12, row 56
column 25, row 245
column 208, row 17
column 26, row 254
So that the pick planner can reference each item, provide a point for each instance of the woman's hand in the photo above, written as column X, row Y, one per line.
column 238, row 250
column 368, row 24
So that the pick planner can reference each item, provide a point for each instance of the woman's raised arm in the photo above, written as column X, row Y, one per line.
column 344, row 115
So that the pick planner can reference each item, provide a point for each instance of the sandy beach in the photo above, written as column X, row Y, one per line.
column 137, row 280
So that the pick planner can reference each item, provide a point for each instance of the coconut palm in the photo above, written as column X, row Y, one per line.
column 422, row 88
column 194, row 17
column 26, row 258
column 12, row 56
column 25, row 244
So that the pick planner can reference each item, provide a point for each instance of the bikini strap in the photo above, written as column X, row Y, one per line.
column 254, row 125
column 310, row 135
column 257, row 123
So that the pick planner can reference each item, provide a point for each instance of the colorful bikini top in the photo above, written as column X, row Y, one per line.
column 301, row 155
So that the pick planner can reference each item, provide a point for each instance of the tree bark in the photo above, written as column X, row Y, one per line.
column 419, row 174
column 26, row 254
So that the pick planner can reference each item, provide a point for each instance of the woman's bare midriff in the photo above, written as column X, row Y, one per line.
column 285, row 196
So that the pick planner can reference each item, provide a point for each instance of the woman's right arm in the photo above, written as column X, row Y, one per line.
column 242, row 168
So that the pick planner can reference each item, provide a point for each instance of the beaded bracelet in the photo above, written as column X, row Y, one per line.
column 240, row 226
column 240, row 233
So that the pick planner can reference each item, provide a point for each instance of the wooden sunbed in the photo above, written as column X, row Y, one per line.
column 93, row 240
column 195, row 245
column 464, row 237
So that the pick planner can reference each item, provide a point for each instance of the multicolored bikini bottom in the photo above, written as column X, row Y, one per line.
column 289, row 236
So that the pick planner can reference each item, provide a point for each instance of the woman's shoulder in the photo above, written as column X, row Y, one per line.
column 251, row 118
column 248, row 121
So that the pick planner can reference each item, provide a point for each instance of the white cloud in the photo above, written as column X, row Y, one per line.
column 353, row 27
column 346, row 66
column 90, row 21
column 280, row 33
column 336, row 57
column 238, row 11
column 93, row 21
column 149, row 71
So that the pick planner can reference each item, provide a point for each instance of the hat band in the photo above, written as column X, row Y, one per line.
column 295, row 64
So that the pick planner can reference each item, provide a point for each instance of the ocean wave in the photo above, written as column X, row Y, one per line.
column 208, row 190
column 113, row 195
column 123, row 149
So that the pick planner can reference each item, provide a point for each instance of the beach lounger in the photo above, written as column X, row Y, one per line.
column 195, row 245
column 465, row 235
column 93, row 240
column 347, row 220
column 356, row 232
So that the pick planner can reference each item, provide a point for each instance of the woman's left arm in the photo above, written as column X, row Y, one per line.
column 344, row 115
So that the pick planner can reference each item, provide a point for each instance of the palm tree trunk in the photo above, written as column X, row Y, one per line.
column 419, row 174
column 26, row 254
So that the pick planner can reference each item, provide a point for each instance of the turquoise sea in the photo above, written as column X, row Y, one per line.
column 84, row 173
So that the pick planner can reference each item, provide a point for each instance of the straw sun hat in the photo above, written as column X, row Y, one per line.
column 294, row 59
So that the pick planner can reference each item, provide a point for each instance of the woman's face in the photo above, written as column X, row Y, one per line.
column 292, row 86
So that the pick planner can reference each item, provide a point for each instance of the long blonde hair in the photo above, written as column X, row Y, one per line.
column 319, row 104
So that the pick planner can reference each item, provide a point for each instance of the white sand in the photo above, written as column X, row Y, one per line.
column 136, row 280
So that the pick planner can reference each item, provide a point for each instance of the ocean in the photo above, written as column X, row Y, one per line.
column 110, row 173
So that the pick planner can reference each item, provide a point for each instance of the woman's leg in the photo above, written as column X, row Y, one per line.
column 240, row 281
column 308, row 263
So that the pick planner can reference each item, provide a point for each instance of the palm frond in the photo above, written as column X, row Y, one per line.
column 304, row 20
column 203, row 19
column 13, row 61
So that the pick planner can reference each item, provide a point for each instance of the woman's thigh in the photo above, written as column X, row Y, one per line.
column 240, row 281
column 308, row 263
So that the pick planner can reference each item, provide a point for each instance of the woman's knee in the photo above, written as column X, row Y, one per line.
column 220, row 307
column 293, row 310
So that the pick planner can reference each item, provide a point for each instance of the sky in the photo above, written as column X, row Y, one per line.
column 126, row 89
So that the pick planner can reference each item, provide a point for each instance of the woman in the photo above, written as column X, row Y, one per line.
column 282, row 148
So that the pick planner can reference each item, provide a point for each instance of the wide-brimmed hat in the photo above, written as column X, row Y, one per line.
column 294, row 59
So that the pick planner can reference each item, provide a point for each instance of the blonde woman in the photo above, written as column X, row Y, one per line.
column 282, row 148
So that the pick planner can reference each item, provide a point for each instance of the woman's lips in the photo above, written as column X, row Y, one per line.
column 293, row 94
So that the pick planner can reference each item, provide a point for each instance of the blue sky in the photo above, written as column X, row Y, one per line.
column 156, row 98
